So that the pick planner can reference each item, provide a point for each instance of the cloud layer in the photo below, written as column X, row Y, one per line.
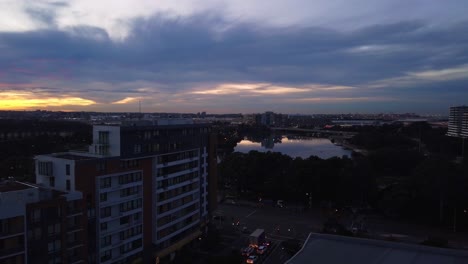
column 221, row 59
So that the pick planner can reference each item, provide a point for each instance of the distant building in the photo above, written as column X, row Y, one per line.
column 148, row 185
column 40, row 225
column 458, row 122
column 270, row 119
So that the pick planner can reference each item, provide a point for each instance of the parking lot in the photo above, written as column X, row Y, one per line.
column 280, row 224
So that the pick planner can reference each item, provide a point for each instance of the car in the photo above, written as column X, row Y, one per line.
column 266, row 244
column 261, row 250
column 252, row 259
column 247, row 251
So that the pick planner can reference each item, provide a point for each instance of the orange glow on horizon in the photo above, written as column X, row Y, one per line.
column 27, row 100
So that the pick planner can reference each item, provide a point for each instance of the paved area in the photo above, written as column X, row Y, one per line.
column 282, row 224
column 279, row 224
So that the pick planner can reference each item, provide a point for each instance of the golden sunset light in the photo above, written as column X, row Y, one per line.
column 27, row 100
column 127, row 100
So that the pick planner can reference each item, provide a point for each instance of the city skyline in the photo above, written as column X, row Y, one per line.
column 234, row 56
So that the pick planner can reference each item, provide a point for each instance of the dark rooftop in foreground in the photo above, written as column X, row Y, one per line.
column 72, row 156
column 332, row 249
column 9, row 185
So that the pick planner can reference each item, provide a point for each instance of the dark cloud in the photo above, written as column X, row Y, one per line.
column 180, row 53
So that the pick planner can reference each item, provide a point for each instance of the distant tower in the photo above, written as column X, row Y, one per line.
column 458, row 122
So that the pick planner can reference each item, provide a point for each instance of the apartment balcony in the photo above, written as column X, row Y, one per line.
column 174, row 186
column 109, row 217
column 130, row 212
column 178, row 231
column 74, row 212
column 159, row 202
column 127, row 254
column 75, row 259
column 12, row 232
column 120, row 242
column 120, row 186
column 121, row 228
column 121, row 199
column 74, row 244
column 179, row 219
column 176, row 162
column 173, row 210
column 175, row 174
column 10, row 252
column 74, row 228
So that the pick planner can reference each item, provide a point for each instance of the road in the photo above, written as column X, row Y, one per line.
column 281, row 224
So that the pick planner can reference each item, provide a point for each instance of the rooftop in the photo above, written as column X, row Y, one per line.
column 321, row 248
column 72, row 156
column 12, row 185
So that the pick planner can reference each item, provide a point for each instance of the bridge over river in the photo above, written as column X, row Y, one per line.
column 318, row 132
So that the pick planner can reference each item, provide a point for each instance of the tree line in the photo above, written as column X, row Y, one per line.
column 410, row 172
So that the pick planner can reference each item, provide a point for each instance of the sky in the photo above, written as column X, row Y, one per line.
column 236, row 56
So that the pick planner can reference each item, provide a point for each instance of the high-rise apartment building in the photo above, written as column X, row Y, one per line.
column 148, row 187
column 39, row 225
column 458, row 122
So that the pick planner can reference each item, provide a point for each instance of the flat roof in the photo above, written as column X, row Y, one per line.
column 71, row 156
column 11, row 185
column 333, row 249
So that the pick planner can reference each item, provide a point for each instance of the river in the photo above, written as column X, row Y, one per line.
column 295, row 147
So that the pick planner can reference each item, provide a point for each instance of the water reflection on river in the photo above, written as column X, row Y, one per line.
column 295, row 147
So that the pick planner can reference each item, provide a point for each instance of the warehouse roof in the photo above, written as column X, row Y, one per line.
column 331, row 249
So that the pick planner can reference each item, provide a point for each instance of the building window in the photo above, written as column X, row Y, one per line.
column 104, row 226
column 106, row 212
column 50, row 230
column 137, row 216
column 105, row 183
column 103, row 197
column 103, row 137
column 124, row 220
column 52, row 181
column 68, row 185
column 106, row 255
column 137, row 149
column 128, row 191
column 67, row 169
column 45, row 168
column 130, row 177
column 37, row 233
column 147, row 135
column 101, row 166
column 105, row 241
column 51, row 247
column 36, row 215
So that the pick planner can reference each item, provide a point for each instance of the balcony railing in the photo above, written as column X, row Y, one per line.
column 75, row 227
column 7, row 252
column 12, row 231
column 75, row 259
column 74, row 244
